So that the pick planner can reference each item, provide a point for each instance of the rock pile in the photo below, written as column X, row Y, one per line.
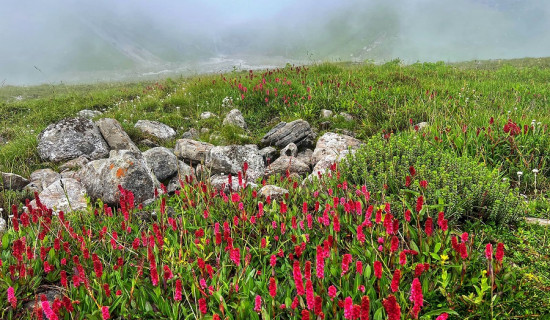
column 99, row 156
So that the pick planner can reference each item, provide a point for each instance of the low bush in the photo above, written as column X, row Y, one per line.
column 399, row 164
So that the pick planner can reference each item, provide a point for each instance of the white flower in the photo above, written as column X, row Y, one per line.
column 535, row 171
column 520, row 173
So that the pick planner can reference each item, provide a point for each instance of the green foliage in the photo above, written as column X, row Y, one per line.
column 468, row 189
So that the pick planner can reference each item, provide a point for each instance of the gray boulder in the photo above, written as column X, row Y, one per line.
column 162, row 161
column 230, row 160
column 190, row 134
column 116, row 137
column 195, row 151
column 332, row 144
column 63, row 195
column 284, row 163
column 155, row 129
column 123, row 167
column 12, row 181
column 273, row 192
column 235, row 118
column 41, row 179
column 290, row 150
column 299, row 132
column 71, row 138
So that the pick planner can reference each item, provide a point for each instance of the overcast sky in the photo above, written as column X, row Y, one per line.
column 86, row 41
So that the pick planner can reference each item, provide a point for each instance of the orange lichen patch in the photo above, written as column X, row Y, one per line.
column 130, row 163
column 112, row 166
column 121, row 172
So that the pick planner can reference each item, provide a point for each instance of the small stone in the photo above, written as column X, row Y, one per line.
column 326, row 113
column 74, row 164
column 42, row 178
column 190, row 134
column 116, row 137
column 207, row 115
column 420, row 126
column 235, row 118
column 156, row 129
column 346, row 116
column 193, row 150
column 12, row 181
column 284, row 163
column 269, row 154
column 205, row 130
column 162, row 162
column 3, row 226
column 273, row 192
column 290, row 150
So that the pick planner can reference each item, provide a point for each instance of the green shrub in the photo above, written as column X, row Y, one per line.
column 468, row 188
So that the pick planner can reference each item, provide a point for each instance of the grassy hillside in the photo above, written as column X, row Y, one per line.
column 486, row 121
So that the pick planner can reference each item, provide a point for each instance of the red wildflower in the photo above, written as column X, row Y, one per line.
column 345, row 263
column 258, row 303
column 348, row 308
column 444, row 315
column 202, row 306
column 412, row 171
column 500, row 252
column 402, row 258
column 305, row 312
column 359, row 267
column 407, row 181
column 11, row 297
column 272, row 287
column 419, row 203
column 167, row 273
column 392, row 308
column 416, row 297
column 424, row 184
column 105, row 313
column 394, row 244
column 310, row 297
column 298, row 280
column 378, row 269
column 428, row 228
column 107, row 290
column 318, row 305
column 395, row 280
column 408, row 215
column 332, row 292
column 50, row 314
column 365, row 306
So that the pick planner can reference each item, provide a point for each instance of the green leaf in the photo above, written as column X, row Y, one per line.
column 440, row 311
column 5, row 241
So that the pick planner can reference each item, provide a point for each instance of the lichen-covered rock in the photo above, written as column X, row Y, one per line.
column 116, row 137
column 305, row 156
column 155, row 129
column 123, row 167
column 12, row 181
column 221, row 182
column 63, row 195
column 42, row 178
column 195, row 151
column 332, row 144
column 299, row 132
column 273, row 192
column 192, row 134
column 71, row 138
column 284, row 163
column 74, row 164
column 326, row 113
column 162, row 161
column 235, row 118
column 231, row 159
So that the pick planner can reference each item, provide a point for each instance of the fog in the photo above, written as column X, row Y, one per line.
column 104, row 40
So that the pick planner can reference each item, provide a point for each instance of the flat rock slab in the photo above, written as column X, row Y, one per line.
column 333, row 144
column 162, row 161
column 71, row 138
column 299, row 132
column 273, row 192
column 42, row 178
column 284, row 163
column 12, row 181
column 231, row 159
column 542, row 222
column 156, row 129
column 193, row 150
column 116, row 137
column 64, row 194
column 123, row 167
